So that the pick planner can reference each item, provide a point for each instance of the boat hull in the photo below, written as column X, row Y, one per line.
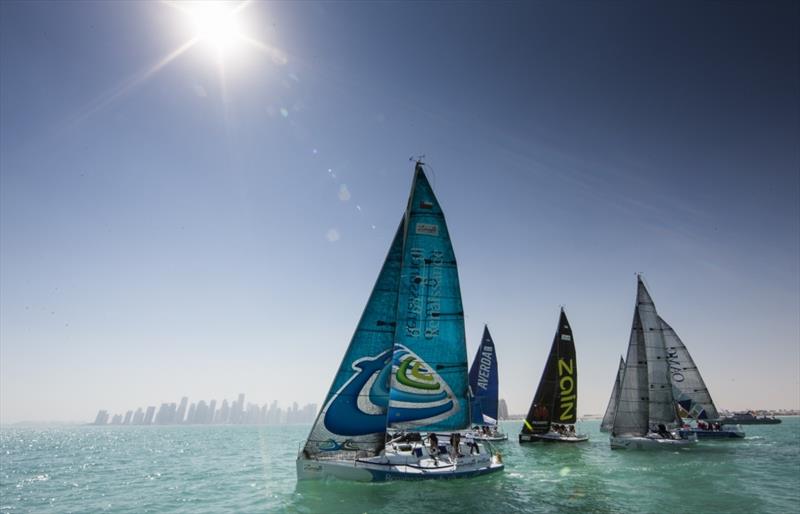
column 414, row 464
column 491, row 438
column 360, row 471
column 713, row 434
column 751, row 421
column 552, row 438
column 481, row 438
column 650, row 443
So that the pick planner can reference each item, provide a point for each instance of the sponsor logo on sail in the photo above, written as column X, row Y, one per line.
column 428, row 229
column 485, row 369
column 675, row 368
column 566, row 386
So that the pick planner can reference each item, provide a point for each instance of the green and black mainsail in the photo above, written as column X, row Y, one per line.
column 556, row 398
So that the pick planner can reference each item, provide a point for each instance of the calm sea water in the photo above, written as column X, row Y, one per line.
column 252, row 469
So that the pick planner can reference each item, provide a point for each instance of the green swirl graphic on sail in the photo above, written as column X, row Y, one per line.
column 418, row 395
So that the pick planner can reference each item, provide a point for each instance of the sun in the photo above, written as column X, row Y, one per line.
column 216, row 25
column 222, row 29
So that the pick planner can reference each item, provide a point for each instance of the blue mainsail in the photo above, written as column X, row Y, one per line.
column 483, row 381
column 429, row 389
column 353, row 416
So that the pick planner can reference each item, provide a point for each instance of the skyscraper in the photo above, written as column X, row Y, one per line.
column 180, row 415
column 138, row 417
column 191, row 415
column 200, row 412
column 212, row 407
column 237, row 414
column 127, row 419
column 273, row 415
column 101, row 418
column 224, row 412
column 148, row 417
column 161, row 416
column 502, row 409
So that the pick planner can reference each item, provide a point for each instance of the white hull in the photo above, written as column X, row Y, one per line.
column 491, row 438
column 477, row 435
column 650, row 443
column 409, row 461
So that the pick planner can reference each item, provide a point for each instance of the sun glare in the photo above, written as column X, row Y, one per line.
column 216, row 25
column 221, row 27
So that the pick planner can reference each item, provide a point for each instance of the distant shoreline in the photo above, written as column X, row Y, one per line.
column 52, row 424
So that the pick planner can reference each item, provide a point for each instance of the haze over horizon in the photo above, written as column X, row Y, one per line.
column 185, row 216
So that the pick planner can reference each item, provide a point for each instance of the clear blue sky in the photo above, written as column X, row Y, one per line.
column 214, row 225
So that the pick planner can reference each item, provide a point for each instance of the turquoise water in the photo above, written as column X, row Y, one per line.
column 251, row 469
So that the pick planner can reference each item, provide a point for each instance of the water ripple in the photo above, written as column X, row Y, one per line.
column 252, row 469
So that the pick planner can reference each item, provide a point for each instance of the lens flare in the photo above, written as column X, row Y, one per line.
column 216, row 25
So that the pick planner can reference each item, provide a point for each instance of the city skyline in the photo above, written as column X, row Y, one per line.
column 236, row 412
column 177, row 217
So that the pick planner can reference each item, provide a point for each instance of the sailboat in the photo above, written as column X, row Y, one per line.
column 404, row 372
column 611, row 409
column 553, row 411
column 646, row 412
column 483, row 384
column 690, row 391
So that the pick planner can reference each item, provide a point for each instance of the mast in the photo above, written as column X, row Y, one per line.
column 429, row 386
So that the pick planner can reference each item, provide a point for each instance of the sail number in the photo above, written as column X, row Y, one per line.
column 566, row 385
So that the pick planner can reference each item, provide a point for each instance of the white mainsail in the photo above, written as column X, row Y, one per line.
column 632, row 406
column 662, row 401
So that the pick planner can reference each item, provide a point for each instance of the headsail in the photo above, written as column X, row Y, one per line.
column 556, row 398
column 483, row 382
column 429, row 388
column 689, row 389
column 353, row 417
column 611, row 410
